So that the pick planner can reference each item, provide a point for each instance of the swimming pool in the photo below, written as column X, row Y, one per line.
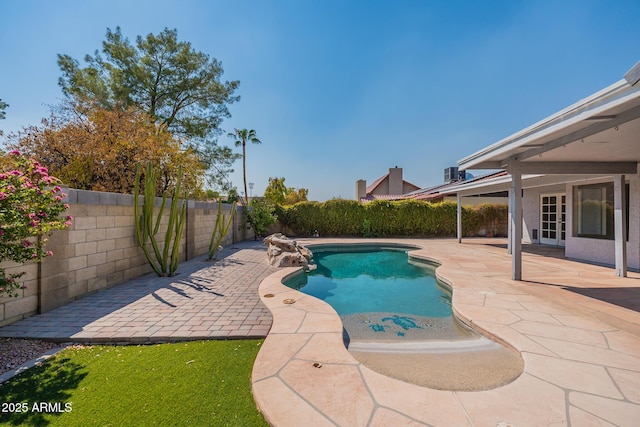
column 381, row 293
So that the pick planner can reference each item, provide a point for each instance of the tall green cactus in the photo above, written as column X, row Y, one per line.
column 220, row 229
column 165, row 262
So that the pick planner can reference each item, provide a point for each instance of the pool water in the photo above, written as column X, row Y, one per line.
column 381, row 294
column 374, row 281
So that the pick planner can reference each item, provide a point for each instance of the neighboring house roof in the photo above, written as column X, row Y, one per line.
column 371, row 188
column 435, row 192
column 371, row 197
column 376, row 183
column 446, row 188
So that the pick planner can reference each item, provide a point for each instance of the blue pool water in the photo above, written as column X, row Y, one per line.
column 382, row 281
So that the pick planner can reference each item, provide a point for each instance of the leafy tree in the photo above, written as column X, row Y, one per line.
column 96, row 149
column 242, row 136
column 179, row 88
column 261, row 215
column 3, row 106
column 296, row 196
column 278, row 193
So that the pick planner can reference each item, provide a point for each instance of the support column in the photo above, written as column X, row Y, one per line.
column 459, row 217
column 515, row 205
column 509, row 228
column 620, row 225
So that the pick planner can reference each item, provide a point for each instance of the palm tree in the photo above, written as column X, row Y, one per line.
column 241, row 137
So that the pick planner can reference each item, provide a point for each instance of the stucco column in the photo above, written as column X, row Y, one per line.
column 509, row 228
column 515, row 207
column 620, row 225
column 459, row 217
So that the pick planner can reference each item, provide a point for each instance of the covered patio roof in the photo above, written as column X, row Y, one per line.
column 593, row 138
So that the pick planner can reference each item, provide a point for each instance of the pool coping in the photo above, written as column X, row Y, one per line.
column 304, row 375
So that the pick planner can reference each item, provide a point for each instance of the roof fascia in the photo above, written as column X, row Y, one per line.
column 605, row 98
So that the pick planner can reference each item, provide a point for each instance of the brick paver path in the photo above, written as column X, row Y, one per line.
column 204, row 300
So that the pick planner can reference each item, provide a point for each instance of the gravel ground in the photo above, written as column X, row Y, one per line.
column 15, row 352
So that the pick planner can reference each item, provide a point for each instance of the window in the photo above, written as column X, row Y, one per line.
column 593, row 211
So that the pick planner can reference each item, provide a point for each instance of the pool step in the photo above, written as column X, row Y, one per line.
column 439, row 346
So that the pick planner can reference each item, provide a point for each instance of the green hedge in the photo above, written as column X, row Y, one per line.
column 405, row 218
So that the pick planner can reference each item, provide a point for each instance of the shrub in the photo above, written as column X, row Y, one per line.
column 261, row 215
column 404, row 218
column 30, row 208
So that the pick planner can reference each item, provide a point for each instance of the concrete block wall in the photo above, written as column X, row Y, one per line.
column 100, row 251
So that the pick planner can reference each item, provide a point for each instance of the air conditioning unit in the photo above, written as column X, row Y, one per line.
column 451, row 174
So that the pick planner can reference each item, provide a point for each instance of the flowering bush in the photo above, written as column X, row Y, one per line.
column 30, row 207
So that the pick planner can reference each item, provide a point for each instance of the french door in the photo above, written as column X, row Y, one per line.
column 553, row 216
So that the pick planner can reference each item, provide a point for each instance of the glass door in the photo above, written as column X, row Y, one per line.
column 553, row 216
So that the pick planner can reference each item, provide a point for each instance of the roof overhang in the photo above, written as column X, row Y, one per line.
column 602, row 128
column 503, row 183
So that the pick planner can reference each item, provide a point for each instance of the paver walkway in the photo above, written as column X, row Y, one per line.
column 576, row 326
column 206, row 299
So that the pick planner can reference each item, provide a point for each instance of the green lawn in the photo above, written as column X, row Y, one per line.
column 198, row 383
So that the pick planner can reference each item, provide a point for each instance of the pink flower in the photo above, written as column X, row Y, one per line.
column 14, row 153
column 34, row 223
column 3, row 195
column 1, row 232
column 49, row 253
column 4, row 176
column 26, row 243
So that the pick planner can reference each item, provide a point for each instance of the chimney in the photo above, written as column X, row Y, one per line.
column 361, row 189
column 395, row 181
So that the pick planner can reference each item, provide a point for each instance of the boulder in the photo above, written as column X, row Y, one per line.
column 285, row 252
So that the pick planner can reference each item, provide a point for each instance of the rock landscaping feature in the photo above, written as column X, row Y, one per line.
column 285, row 252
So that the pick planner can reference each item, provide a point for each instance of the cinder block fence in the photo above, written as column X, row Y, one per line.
column 100, row 251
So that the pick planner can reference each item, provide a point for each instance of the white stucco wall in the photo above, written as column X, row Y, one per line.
column 602, row 251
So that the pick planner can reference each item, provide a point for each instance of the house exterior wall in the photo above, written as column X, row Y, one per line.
column 599, row 251
column 99, row 251
column 602, row 251
column 382, row 189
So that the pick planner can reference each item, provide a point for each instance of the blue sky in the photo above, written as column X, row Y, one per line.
column 342, row 90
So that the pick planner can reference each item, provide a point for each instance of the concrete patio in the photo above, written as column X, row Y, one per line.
column 576, row 326
column 205, row 300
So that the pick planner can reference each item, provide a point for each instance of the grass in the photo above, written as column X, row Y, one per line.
column 199, row 383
